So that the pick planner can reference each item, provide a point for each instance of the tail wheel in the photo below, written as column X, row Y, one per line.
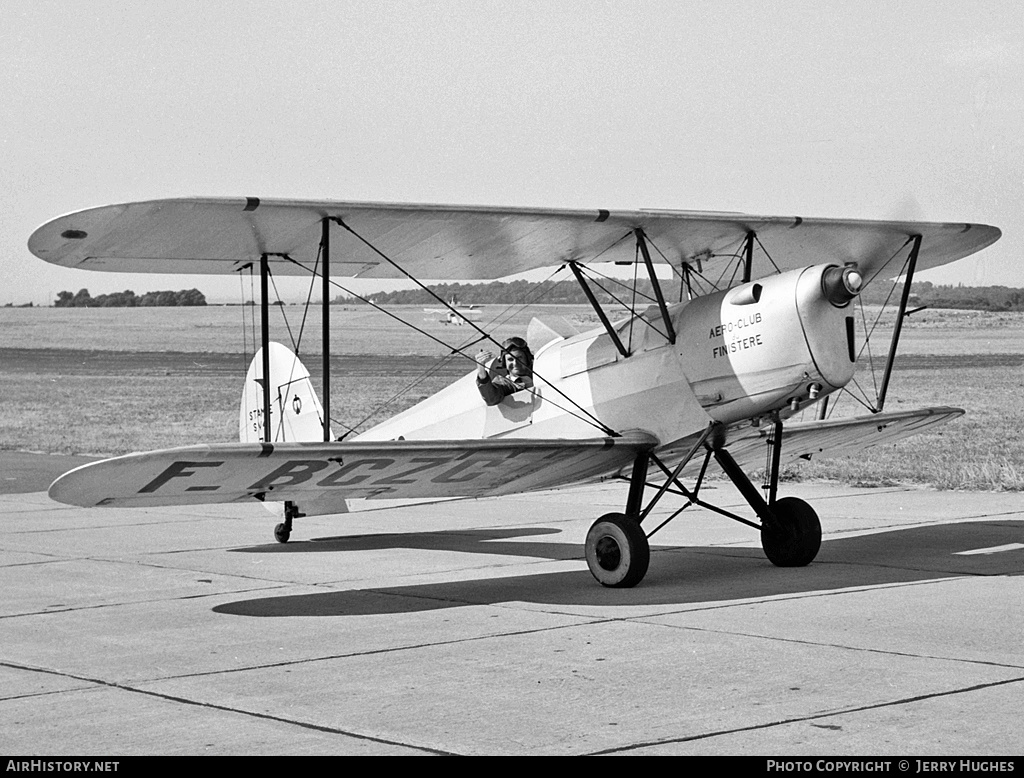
column 617, row 551
column 798, row 538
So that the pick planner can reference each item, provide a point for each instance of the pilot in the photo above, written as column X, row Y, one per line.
column 511, row 372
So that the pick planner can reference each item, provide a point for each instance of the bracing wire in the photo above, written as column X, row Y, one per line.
column 623, row 303
column 869, row 331
column 864, row 394
column 309, row 295
column 594, row 272
column 296, row 343
column 593, row 419
column 279, row 433
column 703, row 279
column 245, row 341
column 252, row 308
column 586, row 417
column 890, row 259
column 497, row 320
column 632, row 304
column 759, row 243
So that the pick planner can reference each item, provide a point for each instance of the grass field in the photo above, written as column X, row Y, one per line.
column 109, row 381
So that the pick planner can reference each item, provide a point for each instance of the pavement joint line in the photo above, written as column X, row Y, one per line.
column 271, row 585
column 910, row 569
column 981, row 518
column 141, row 562
column 333, row 584
column 773, row 598
column 330, row 586
column 842, row 647
column 105, row 527
column 129, row 603
column 38, row 562
column 800, row 719
column 135, row 561
column 312, row 660
column 16, row 697
column 879, row 490
column 228, row 709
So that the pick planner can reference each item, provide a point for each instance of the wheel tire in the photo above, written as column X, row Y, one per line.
column 282, row 533
column 617, row 551
column 798, row 542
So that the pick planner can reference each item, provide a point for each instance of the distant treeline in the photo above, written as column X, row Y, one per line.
column 981, row 298
column 128, row 299
column 970, row 298
column 513, row 293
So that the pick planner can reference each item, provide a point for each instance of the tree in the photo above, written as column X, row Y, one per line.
column 190, row 297
column 128, row 299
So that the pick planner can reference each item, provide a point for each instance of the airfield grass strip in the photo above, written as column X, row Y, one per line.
column 65, row 388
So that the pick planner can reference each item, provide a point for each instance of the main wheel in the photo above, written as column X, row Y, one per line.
column 282, row 533
column 797, row 542
column 617, row 551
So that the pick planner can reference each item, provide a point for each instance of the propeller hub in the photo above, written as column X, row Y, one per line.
column 841, row 284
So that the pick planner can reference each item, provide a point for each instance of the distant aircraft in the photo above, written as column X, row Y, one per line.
column 649, row 398
column 454, row 313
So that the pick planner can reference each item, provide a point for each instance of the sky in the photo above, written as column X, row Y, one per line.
column 847, row 109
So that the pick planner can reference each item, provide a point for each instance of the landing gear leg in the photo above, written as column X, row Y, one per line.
column 790, row 529
column 283, row 531
column 617, row 551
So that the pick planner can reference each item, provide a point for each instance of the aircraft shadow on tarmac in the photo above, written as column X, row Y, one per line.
column 678, row 575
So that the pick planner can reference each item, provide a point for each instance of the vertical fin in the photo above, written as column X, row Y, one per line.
column 295, row 411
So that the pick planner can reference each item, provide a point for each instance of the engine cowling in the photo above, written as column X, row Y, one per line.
column 775, row 344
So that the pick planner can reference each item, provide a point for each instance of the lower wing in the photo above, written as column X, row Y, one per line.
column 804, row 440
column 839, row 437
column 233, row 472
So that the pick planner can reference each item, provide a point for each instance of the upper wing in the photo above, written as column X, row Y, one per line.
column 232, row 472
column 223, row 235
column 837, row 437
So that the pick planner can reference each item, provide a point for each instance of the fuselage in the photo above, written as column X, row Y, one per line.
column 768, row 346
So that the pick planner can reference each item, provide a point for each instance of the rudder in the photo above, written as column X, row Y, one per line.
column 295, row 411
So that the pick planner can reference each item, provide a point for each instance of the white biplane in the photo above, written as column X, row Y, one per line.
column 454, row 313
column 649, row 398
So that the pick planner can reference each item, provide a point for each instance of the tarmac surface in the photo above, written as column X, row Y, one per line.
column 474, row 627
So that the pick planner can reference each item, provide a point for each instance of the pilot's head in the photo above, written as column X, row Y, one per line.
column 516, row 357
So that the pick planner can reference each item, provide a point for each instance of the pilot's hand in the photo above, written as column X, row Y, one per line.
column 483, row 359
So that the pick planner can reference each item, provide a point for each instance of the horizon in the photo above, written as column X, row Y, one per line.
column 911, row 112
column 343, row 299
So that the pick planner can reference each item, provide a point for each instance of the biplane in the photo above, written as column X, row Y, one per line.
column 762, row 330
column 454, row 313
